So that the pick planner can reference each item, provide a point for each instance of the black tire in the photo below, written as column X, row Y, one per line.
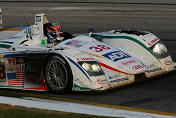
column 58, row 75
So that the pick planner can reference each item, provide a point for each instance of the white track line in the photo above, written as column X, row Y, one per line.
column 76, row 108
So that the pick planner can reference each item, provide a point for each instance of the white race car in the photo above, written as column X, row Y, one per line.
column 78, row 63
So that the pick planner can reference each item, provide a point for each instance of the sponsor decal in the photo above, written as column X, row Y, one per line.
column 2, row 73
column 100, row 48
column 119, row 80
column 150, row 66
column 15, row 79
column 128, row 62
column 43, row 42
column 116, row 55
column 11, row 63
column 74, row 43
column 154, row 70
column 101, row 81
column 20, row 68
column 85, row 59
column 153, row 41
column 137, row 67
column 168, row 62
column 38, row 18
column 20, row 60
column 114, row 76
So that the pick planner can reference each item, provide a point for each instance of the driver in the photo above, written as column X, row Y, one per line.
column 54, row 33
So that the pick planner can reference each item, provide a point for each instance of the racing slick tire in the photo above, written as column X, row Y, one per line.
column 58, row 75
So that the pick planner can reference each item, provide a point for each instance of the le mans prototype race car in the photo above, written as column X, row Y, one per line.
column 79, row 62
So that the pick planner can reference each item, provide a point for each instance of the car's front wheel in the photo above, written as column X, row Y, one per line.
column 58, row 75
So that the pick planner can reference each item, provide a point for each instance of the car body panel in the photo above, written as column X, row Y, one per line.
column 139, row 46
column 119, row 56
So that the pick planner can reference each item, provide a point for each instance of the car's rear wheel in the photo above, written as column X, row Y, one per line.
column 58, row 75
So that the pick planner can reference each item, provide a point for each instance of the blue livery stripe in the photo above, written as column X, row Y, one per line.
column 78, row 67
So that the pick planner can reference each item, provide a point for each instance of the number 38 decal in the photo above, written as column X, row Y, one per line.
column 100, row 48
column 2, row 72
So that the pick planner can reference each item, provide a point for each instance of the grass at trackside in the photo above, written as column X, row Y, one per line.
column 9, row 111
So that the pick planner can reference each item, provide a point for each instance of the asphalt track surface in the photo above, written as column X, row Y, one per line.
column 158, row 17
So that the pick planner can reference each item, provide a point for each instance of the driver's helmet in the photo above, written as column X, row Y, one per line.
column 54, row 31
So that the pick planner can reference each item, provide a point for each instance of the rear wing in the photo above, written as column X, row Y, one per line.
column 1, row 25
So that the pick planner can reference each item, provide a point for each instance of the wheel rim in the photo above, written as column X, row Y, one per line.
column 56, row 74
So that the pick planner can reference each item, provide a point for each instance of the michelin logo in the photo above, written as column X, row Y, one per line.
column 119, row 80
column 154, row 70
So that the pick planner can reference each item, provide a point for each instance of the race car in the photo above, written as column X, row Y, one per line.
column 79, row 62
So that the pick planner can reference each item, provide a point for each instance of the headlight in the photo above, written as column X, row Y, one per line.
column 92, row 68
column 96, row 68
column 160, row 50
